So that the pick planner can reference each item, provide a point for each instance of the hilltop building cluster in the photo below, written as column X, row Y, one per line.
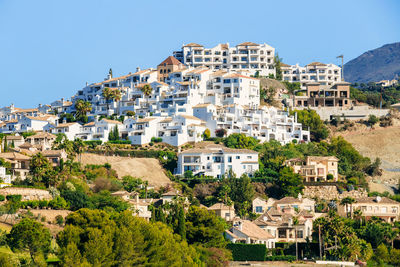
column 198, row 89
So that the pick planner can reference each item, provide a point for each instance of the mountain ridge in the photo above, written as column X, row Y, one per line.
column 382, row 63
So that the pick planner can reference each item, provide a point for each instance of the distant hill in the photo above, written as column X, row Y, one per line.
column 379, row 64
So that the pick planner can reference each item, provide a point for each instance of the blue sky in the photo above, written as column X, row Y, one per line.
column 50, row 49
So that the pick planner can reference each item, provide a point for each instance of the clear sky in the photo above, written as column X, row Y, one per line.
column 50, row 49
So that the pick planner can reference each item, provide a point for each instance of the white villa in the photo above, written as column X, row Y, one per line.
column 217, row 161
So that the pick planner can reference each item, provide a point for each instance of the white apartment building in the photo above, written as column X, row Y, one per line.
column 248, row 57
column 176, row 130
column 325, row 74
column 217, row 161
column 264, row 123
column 26, row 123
column 70, row 129
column 99, row 130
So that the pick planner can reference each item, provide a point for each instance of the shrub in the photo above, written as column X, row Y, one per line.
column 43, row 204
column 372, row 120
column 58, row 203
column 156, row 139
column 14, row 198
column 120, row 142
column 248, row 252
column 59, row 220
column 329, row 176
column 93, row 143
column 2, row 198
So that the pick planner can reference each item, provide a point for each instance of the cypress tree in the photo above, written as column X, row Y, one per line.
column 181, row 228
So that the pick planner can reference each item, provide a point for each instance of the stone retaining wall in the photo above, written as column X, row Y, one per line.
column 329, row 192
column 27, row 193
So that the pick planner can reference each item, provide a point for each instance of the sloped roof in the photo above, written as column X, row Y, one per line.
column 383, row 200
column 193, row 45
column 248, row 44
column 316, row 63
column 251, row 230
column 14, row 156
column 111, row 121
column 171, row 60
column 220, row 206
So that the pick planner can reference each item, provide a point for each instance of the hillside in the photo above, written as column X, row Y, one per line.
column 147, row 169
column 378, row 64
column 382, row 143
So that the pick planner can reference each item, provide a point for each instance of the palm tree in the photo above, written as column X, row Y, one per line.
column 147, row 90
column 295, row 224
column 79, row 147
column 348, row 201
column 82, row 107
column 358, row 215
column 108, row 95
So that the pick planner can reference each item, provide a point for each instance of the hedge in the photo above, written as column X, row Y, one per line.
column 14, row 198
column 288, row 258
column 93, row 143
column 248, row 252
column 120, row 142
column 2, row 198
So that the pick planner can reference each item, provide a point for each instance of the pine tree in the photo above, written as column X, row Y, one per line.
column 181, row 227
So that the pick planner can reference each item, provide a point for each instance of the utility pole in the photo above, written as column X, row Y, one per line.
column 341, row 56
column 320, row 244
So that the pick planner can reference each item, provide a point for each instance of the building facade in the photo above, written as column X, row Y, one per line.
column 217, row 161
column 246, row 57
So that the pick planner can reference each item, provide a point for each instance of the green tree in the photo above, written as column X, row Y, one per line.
column 147, row 91
column 241, row 193
column 111, row 95
column 31, row 236
column 40, row 167
column 278, row 70
column 237, row 140
column 204, row 227
column 206, row 134
column 181, row 227
column 310, row 119
column 82, row 108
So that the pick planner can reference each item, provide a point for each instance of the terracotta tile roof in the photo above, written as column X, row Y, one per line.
column 224, row 46
column 284, row 65
column 220, row 206
column 14, row 137
column 41, row 118
column 166, row 120
column 146, row 119
column 171, row 60
column 251, row 230
column 111, row 121
column 20, row 110
column 14, row 156
column 383, row 200
column 92, row 123
column 193, row 45
column 171, row 193
column 288, row 200
column 235, row 75
column 68, row 124
column 190, row 117
column 316, row 64
column 248, row 44
column 316, row 158
column 42, row 135
column 201, row 105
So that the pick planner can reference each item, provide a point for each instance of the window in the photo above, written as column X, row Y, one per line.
column 229, row 159
column 227, row 80
column 259, row 209
column 249, row 157
column 237, row 157
column 300, row 234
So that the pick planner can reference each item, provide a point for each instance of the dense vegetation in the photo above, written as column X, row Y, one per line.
column 373, row 94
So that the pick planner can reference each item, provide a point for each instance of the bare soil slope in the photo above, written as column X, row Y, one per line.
column 147, row 169
column 383, row 143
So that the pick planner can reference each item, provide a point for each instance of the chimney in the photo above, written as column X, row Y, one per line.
column 378, row 199
column 137, row 198
column 96, row 118
column 137, row 69
column 64, row 120
column 240, row 226
column 87, row 83
column 56, row 122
